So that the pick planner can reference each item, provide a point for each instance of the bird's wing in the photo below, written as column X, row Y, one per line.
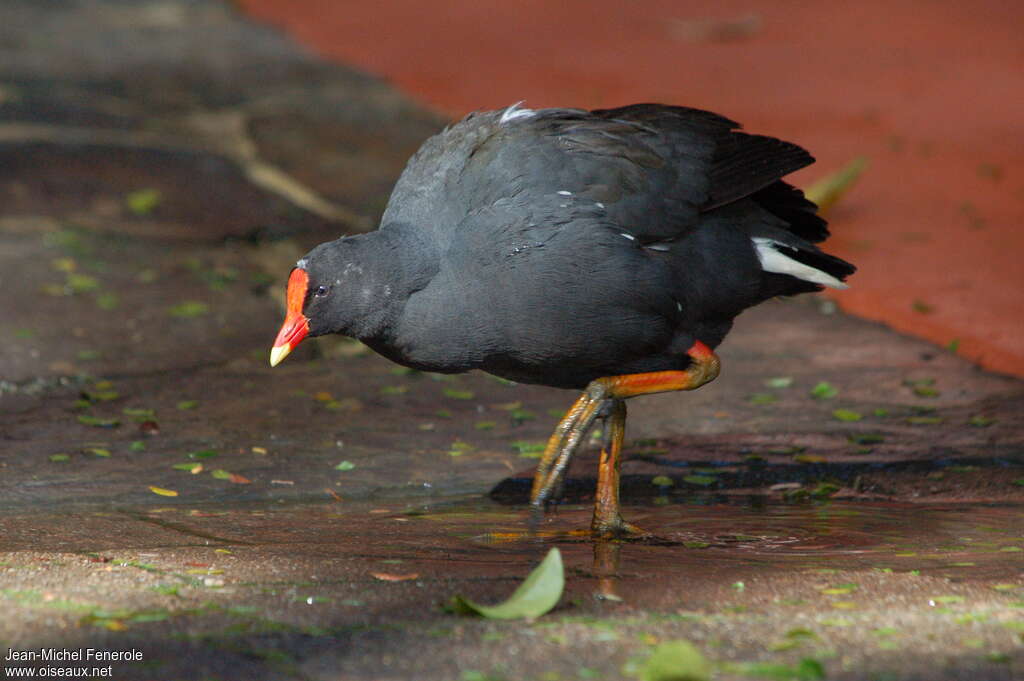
column 653, row 169
column 647, row 169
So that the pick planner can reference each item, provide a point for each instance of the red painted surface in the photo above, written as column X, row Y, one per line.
column 932, row 92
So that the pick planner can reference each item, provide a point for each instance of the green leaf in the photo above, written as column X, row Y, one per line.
column 139, row 415
column 980, row 421
column 519, row 416
column 202, row 454
column 828, row 190
column 924, row 420
column 865, row 438
column 98, row 422
column 528, row 450
column 537, row 595
column 143, row 201
column 221, row 474
column 137, row 446
column 762, row 398
column 922, row 307
column 188, row 309
column 107, row 301
column 345, row 466
column 101, row 395
column 82, row 283
column 460, row 447
column 809, row 669
column 824, row 391
column 676, row 661
column 824, row 490
column 662, row 481
column 60, row 458
column 847, row 415
column 702, row 480
column 779, row 382
column 458, row 394
column 185, row 405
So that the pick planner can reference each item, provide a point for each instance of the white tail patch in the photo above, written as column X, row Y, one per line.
column 514, row 112
column 773, row 260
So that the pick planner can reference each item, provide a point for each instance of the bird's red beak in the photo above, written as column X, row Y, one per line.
column 296, row 325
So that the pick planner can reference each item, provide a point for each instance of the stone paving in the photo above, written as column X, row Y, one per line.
column 163, row 163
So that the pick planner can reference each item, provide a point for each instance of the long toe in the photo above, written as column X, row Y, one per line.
column 617, row 528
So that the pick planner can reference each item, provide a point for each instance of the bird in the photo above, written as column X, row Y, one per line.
column 606, row 251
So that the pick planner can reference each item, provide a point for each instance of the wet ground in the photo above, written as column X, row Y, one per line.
column 355, row 590
column 843, row 503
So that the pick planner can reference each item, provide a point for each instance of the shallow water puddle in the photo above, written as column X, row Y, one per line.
column 983, row 542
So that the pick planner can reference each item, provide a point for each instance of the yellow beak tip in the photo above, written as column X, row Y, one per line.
column 278, row 353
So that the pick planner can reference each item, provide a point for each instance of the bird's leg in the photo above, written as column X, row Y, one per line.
column 572, row 443
column 704, row 367
column 554, row 448
column 607, row 522
column 565, row 441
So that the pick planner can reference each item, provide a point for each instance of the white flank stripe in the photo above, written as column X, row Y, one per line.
column 774, row 261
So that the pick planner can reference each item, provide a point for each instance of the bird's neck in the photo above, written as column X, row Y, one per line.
column 399, row 262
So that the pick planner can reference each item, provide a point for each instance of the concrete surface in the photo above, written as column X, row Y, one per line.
column 842, row 494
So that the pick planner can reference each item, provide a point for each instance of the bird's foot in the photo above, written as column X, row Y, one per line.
column 615, row 527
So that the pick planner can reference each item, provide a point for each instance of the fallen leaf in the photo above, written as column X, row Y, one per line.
column 389, row 577
column 163, row 492
column 824, row 390
column 676, row 661
column 143, row 201
column 538, row 594
column 456, row 394
column 188, row 309
column 98, row 422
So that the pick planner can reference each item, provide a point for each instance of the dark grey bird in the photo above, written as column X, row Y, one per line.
column 607, row 251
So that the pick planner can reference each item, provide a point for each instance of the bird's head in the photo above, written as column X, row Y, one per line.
column 336, row 288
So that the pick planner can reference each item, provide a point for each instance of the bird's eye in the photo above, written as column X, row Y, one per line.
column 320, row 291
